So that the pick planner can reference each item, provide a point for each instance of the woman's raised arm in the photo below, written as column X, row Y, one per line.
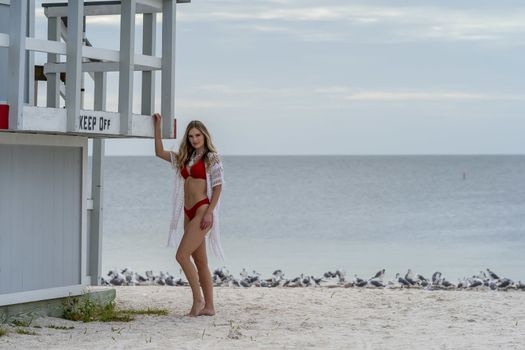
column 159, row 147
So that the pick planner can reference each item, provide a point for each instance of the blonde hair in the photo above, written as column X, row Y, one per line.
column 186, row 149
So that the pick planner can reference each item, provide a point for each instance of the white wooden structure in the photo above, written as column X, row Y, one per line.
column 50, row 227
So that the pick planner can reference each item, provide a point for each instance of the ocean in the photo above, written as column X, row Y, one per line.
column 312, row 214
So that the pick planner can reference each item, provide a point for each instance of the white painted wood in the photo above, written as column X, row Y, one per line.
column 168, row 67
column 29, row 94
column 45, row 175
column 53, row 80
column 90, row 200
column 84, row 263
column 93, row 67
column 91, row 123
column 93, row 9
column 155, row 4
column 142, row 126
column 127, row 55
column 96, row 224
column 74, row 61
column 149, row 35
column 41, row 140
column 100, row 91
column 148, row 61
column 100, row 54
column 4, row 40
column 44, row 119
column 97, row 189
column 17, row 62
column 40, row 45
column 41, row 294
column 55, row 120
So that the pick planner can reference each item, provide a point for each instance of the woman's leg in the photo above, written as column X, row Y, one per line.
column 201, row 261
column 192, row 239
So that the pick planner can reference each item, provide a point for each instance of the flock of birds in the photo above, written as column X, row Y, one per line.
column 222, row 278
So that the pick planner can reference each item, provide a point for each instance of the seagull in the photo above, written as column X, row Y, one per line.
column 329, row 274
column 436, row 277
column 421, row 280
column 410, row 277
column 117, row 279
column 376, row 282
column 475, row 282
column 504, row 283
column 446, row 283
column 359, row 282
column 403, row 282
column 341, row 274
column 219, row 274
column 170, row 281
column 244, row 283
column 380, row 274
column 317, row 280
column 492, row 275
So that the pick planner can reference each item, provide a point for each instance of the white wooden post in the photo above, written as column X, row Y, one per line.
column 17, row 62
column 31, row 86
column 97, row 188
column 168, row 67
column 53, row 79
column 75, row 14
column 149, row 35
column 127, row 54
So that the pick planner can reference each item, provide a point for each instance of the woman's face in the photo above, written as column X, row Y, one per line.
column 196, row 138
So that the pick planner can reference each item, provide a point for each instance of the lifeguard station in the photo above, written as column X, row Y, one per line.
column 50, row 227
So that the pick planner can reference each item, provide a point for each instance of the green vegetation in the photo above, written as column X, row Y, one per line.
column 148, row 311
column 3, row 332
column 24, row 331
column 84, row 309
column 59, row 327
column 21, row 323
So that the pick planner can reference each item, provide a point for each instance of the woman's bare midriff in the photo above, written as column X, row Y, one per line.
column 194, row 191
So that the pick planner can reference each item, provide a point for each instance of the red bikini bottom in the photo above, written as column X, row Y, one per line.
column 191, row 212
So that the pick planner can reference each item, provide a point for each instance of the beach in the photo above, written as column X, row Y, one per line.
column 297, row 318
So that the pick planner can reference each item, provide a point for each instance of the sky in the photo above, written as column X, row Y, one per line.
column 334, row 77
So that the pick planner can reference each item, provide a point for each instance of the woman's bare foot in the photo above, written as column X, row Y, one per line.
column 196, row 308
column 207, row 311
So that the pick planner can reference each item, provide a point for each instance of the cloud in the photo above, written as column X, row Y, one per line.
column 352, row 94
column 388, row 23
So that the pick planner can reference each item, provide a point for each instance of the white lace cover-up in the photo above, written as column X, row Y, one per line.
column 214, row 177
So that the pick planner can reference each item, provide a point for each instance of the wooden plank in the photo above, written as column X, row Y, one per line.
column 7, row 178
column 168, row 67
column 100, row 54
column 101, row 8
column 93, row 67
column 47, row 46
column 41, row 294
column 17, row 62
column 74, row 61
column 90, row 123
column 97, row 189
column 149, row 37
column 153, row 62
column 127, row 49
column 53, row 80
column 4, row 40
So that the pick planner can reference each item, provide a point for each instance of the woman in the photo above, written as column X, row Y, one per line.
column 198, row 185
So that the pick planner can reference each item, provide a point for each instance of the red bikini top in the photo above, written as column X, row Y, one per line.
column 198, row 170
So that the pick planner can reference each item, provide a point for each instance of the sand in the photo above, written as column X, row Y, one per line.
column 297, row 318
